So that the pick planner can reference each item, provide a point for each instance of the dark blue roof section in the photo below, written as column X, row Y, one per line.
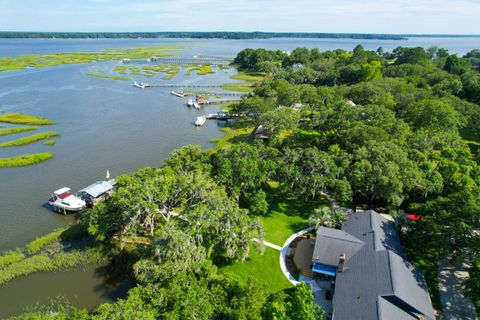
column 378, row 283
column 330, row 243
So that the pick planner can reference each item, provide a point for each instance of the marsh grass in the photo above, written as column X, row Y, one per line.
column 51, row 262
column 41, row 242
column 45, row 60
column 106, row 76
column 201, row 70
column 50, row 142
column 25, row 160
column 19, row 118
column 5, row 132
column 250, row 80
column 30, row 139
column 10, row 257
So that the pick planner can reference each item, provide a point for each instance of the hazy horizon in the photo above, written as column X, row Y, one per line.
column 440, row 17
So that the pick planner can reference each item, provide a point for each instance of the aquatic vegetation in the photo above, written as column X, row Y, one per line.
column 19, row 118
column 5, row 132
column 51, row 262
column 43, row 241
column 44, row 60
column 10, row 257
column 106, row 76
column 250, row 79
column 29, row 139
column 201, row 70
column 170, row 70
column 133, row 71
column 50, row 142
column 25, row 160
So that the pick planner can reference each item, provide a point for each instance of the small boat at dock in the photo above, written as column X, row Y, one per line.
column 64, row 201
column 200, row 121
column 178, row 94
column 196, row 105
column 190, row 103
column 141, row 85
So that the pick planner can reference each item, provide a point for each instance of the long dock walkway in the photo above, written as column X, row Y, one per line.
column 161, row 60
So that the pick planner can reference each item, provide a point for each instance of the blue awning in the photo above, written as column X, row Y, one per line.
column 324, row 269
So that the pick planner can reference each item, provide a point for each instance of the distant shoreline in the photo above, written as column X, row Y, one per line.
column 219, row 35
column 193, row 35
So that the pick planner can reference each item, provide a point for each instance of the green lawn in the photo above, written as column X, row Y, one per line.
column 264, row 269
column 287, row 215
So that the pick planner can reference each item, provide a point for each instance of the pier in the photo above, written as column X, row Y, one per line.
column 220, row 101
column 181, row 61
column 158, row 85
column 213, row 94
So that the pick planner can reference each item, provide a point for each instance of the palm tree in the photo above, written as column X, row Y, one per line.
column 322, row 217
column 326, row 217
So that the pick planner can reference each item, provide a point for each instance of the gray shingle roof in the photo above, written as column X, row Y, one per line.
column 330, row 243
column 378, row 283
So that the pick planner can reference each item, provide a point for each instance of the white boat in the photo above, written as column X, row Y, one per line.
column 178, row 94
column 190, row 103
column 200, row 121
column 141, row 85
column 64, row 201
column 196, row 105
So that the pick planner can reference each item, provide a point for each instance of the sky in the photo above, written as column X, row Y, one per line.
column 337, row 16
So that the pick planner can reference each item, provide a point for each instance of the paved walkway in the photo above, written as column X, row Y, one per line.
column 450, row 280
column 269, row 244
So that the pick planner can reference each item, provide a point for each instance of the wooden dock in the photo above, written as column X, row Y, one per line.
column 161, row 85
column 219, row 101
column 181, row 61
column 214, row 94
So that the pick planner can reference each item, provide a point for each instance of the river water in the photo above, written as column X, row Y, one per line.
column 107, row 124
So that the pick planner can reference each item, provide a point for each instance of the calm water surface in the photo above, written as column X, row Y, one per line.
column 107, row 124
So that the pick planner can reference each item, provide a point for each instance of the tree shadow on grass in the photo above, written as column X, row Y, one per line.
column 280, row 200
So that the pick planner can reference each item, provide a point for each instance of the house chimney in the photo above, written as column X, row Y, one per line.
column 341, row 262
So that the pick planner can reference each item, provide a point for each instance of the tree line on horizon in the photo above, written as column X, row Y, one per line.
column 193, row 35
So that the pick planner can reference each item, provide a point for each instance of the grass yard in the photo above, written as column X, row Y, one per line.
column 286, row 215
column 237, row 133
column 264, row 269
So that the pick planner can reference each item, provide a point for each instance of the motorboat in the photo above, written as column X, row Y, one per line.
column 196, row 105
column 141, row 85
column 190, row 103
column 200, row 121
column 178, row 94
column 63, row 200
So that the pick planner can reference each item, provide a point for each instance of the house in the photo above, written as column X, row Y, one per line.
column 263, row 133
column 373, row 280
